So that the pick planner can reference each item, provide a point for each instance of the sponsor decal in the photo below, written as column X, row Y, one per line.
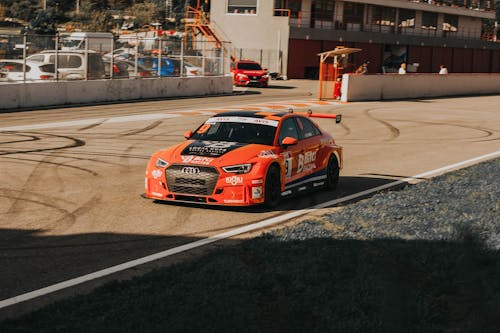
column 257, row 181
column 318, row 184
column 288, row 167
column 233, row 201
column 267, row 154
column 234, row 180
column 190, row 170
column 156, row 173
column 156, row 194
column 305, row 162
column 302, row 188
column 196, row 159
column 247, row 120
column 288, row 192
column 211, row 148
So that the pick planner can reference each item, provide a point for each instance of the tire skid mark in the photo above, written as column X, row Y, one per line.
column 395, row 132
column 73, row 158
column 93, row 173
column 141, row 130
column 68, row 220
column 488, row 132
column 23, row 198
column 31, row 138
column 91, row 125
column 76, row 143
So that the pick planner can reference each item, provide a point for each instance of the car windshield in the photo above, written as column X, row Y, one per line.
column 249, row 66
column 237, row 129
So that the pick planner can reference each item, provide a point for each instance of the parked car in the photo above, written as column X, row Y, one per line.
column 12, row 70
column 71, row 64
column 120, row 69
column 124, row 53
column 243, row 158
column 249, row 73
column 167, row 67
column 141, row 70
column 189, row 68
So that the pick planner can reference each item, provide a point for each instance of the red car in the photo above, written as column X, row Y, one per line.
column 242, row 158
column 249, row 73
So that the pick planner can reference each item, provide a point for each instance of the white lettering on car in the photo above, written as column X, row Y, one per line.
column 156, row 173
column 196, row 159
column 234, row 180
column 306, row 161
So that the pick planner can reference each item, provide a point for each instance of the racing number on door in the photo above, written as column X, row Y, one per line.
column 288, row 167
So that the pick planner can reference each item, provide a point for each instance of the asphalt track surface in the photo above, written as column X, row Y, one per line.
column 71, row 179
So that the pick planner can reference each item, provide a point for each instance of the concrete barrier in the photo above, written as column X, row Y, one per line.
column 37, row 94
column 395, row 86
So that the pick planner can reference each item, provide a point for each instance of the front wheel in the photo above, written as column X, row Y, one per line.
column 332, row 172
column 272, row 187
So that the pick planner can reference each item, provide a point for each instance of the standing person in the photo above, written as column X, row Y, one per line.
column 402, row 68
column 443, row 69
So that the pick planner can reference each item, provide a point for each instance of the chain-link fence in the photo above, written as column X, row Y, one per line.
column 269, row 59
column 87, row 56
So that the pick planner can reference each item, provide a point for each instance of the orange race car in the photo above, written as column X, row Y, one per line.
column 242, row 158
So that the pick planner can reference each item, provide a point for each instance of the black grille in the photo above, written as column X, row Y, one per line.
column 191, row 179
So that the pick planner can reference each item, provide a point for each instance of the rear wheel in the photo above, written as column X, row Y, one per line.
column 272, row 187
column 332, row 172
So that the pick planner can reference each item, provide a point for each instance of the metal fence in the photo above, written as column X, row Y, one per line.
column 87, row 56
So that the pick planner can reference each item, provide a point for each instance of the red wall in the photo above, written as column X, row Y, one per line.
column 481, row 61
column 423, row 56
column 441, row 56
column 304, row 53
column 462, row 61
column 369, row 52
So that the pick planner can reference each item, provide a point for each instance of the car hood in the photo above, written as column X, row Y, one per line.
column 206, row 152
column 248, row 72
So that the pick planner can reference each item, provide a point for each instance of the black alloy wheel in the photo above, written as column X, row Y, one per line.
column 272, row 187
column 332, row 172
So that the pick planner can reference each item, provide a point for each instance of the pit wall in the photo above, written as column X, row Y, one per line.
column 395, row 86
column 38, row 94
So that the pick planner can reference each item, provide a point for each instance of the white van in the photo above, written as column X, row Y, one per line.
column 97, row 41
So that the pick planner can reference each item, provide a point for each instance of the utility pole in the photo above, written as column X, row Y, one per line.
column 77, row 7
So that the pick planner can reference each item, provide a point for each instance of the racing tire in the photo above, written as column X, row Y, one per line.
column 272, row 188
column 332, row 172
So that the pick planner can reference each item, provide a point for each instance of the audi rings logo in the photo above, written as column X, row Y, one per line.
column 190, row 170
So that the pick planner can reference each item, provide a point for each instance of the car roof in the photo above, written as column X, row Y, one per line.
column 20, row 61
column 248, row 61
column 253, row 114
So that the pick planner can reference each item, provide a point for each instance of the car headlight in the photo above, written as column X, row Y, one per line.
column 265, row 76
column 161, row 163
column 242, row 76
column 239, row 168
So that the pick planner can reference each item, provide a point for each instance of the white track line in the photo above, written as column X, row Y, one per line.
column 238, row 231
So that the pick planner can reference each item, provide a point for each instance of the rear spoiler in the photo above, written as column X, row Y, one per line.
column 338, row 117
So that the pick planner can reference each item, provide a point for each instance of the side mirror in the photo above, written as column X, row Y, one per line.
column 289, row 141
column 188, row 134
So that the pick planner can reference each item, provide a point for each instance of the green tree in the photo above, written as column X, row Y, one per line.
column 23, row 10
column 144, row 13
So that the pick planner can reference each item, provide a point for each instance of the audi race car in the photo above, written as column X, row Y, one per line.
column 242, row 158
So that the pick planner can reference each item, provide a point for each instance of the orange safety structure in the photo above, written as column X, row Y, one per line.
column 331, row 68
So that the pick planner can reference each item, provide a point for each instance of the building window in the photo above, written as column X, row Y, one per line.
column 323, row 10
column 429, row 20
column 287, row 8
column 353, row 12
column 242, row 6
column 450, row 23
column 385, row 16
column 406, row 18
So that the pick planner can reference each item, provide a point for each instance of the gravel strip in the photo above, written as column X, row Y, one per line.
column 449, row 207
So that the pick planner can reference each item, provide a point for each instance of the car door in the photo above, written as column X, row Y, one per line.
column 291, row 154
